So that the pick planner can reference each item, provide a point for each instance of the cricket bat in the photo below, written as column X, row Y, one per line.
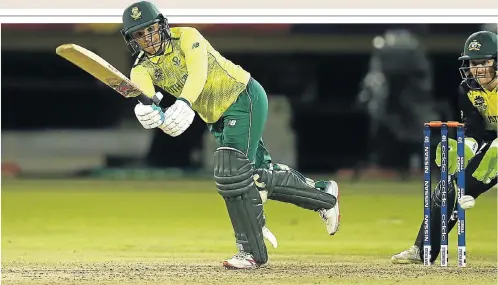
column 104, row 71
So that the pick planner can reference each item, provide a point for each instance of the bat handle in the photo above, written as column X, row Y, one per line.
column 149, row 101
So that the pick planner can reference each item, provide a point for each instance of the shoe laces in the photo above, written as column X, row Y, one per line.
column 241, row 255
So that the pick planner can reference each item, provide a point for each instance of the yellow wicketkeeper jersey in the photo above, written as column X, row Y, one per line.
column 192, row 69
column 479, row 112
column 486, row 102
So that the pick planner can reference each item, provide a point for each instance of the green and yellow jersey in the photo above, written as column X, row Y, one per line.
column 479, row 111
column 192, row 69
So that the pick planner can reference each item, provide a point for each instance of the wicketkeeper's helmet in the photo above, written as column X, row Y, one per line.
column 481, row 45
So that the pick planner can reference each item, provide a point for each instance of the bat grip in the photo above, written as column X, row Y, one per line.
column 145, row 100
column 149, row 101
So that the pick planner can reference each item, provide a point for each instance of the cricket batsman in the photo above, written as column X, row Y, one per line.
column 478, row 103
column 235, row 108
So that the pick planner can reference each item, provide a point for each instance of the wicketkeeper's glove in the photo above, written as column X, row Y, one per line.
column 488, row 168
column 470, row 151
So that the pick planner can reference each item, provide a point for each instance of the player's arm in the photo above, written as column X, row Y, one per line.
column 141, row 77
column 196, row 58
column 150, row 116
column 475, row 129
column 180, row 115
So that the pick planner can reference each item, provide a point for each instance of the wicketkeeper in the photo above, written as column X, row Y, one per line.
column 235, row 108
column 478, row 102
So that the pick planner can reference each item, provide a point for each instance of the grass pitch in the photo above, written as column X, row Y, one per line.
column 178, row 232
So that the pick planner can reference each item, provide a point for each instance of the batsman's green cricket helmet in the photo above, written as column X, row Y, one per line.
column 140, row 15
column 482, row 45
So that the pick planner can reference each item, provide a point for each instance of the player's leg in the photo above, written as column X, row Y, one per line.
column 414, row 253
column 233, row 174
column 473, row 188
column 245, row 120
column 240, row 128
column 243, row 127
column 279, row 182
column 263, row 157
column 282, row 183
column 216, row 129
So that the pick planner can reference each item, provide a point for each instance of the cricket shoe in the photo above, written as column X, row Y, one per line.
column 409, row 256
column 241, row 260
column 331, row 217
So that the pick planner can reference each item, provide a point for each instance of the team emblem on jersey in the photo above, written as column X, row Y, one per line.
column 135, row 13
column 474, row 45
column 480, row 103
column 158, row 74
column 176, row 61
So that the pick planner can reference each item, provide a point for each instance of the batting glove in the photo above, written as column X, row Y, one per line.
column 150, row 116
column 470, row 151
column 177, row 118
column 488, row 168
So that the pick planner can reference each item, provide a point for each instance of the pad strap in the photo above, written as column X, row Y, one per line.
column 290, row 186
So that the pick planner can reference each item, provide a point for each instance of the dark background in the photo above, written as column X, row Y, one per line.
column 38, row 88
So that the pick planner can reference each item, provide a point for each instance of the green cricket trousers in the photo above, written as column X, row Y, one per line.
column 242, row 125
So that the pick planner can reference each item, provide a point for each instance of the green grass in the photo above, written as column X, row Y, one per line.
column 134, row 231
